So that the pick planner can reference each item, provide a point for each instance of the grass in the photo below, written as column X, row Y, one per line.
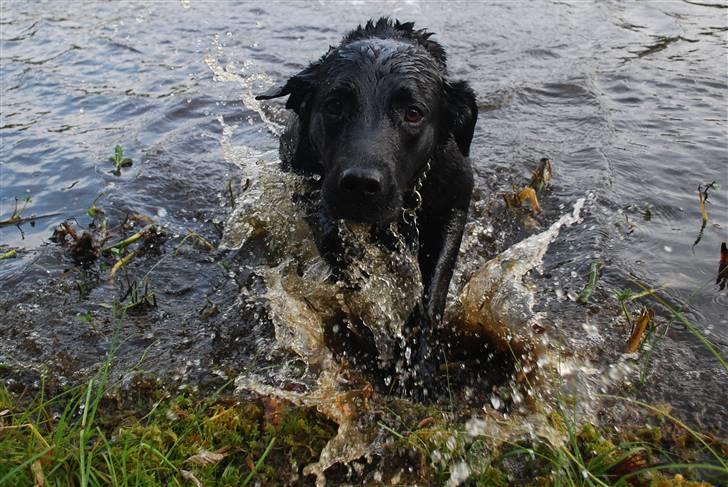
column 77, row 438
column 637, row 456
column 73, row 439
column 88, row 436
column 665, row 453
column 589, row 288
column 676, row 314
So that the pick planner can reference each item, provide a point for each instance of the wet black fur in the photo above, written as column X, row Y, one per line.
column 351, row 111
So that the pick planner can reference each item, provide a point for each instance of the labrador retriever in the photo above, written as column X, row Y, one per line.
column 389, row 132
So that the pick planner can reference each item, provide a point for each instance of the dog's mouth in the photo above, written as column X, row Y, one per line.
column 361, row 212
column 361, row 196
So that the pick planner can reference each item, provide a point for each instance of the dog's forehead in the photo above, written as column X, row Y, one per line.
column 381, row 58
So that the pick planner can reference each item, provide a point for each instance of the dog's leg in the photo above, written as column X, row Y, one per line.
column 451, row 234
column 440, row 242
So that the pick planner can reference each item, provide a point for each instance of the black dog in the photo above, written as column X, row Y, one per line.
column 378, row 118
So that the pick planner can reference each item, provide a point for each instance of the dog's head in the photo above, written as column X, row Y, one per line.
column 372, row 112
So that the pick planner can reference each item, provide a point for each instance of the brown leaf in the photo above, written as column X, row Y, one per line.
column 703, row 211
column 629, row 465
column 516, row 199
column 425, row 422
column 722, row 278
column 529, row 194
column 249, row 462
column 639, row 330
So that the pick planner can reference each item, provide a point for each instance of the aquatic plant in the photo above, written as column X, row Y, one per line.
column 119, row 160
column 94, row 211
column 591, row 284
column 10, row 254
column 17, row 216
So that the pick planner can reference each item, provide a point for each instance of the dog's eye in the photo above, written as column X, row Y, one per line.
column 334, row 107
column 412, row 115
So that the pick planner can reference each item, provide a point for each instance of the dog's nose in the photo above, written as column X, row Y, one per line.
column 361, row 181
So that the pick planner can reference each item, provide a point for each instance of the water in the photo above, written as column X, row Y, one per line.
column 628, row 99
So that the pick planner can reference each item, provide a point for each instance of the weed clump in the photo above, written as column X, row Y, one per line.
column 218, row 441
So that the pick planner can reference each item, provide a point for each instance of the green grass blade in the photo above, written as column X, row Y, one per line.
column 687, row 428
column 259, row 463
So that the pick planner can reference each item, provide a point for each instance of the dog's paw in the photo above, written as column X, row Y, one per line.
column 417, row 366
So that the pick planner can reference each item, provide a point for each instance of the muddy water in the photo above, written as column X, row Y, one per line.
column 628, row 100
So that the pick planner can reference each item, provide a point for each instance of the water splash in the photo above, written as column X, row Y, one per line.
column 498, row 300
column 376, row 292
column 229, row 73
column 308, row 301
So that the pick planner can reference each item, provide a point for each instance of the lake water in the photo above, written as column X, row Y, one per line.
column 629, row 100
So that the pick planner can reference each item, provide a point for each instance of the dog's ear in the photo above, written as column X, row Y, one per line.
column 295, row 149
column 299, row 87
column 462, row 111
